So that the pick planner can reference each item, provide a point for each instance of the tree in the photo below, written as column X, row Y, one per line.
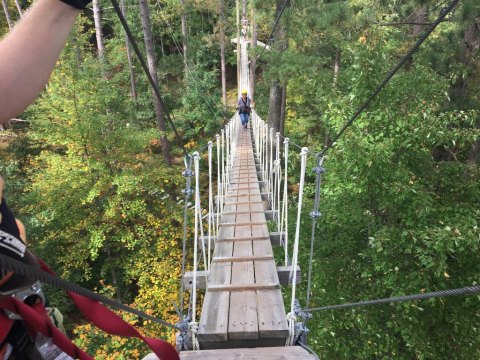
column 253, row 56
column 221, row 21
column 278, row 89
column 159, row 109
column 129, row 58
column 183, row 16
column 98, row 30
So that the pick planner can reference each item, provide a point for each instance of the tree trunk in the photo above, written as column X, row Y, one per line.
column 277, row 101
column 78, row 50
column 7, row 14
column 113, row 272
column 129, row 58
column 221, row 12
column 152, row 68
column 283, row 109
column 275, row 105
column 184, row 30
column 420, row 18
column 97, row 18
column 471, row 44
column 244, row 11
column 19, row 8
column 253, row 59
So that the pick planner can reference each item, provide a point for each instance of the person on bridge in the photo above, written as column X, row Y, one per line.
column 244, row 107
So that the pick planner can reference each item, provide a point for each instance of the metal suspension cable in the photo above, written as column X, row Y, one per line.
column 198, row 212
column 147, row 72
column 188, row 191
column 443, row 13
column 291, row 142
column 274, row 27
column 469, row 290
column 31, row 272
column 270, row 165
column 315, row 214
column 310, row 350
column 224, row 180
column 277, row 169
column 291, row 316
column 193, row 325
column 219, row 184
column 284, row 221
column 211, row 215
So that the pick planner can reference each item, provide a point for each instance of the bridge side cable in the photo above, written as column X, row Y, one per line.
column 469, row 290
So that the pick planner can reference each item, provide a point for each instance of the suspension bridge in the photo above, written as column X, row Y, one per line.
column 243, row 304
column 243, row 314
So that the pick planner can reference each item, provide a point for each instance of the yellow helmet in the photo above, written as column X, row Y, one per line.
column 244, row 91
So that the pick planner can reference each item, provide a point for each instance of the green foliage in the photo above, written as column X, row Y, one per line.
column 399, row 206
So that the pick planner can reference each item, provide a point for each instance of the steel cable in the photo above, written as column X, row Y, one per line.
column 32, row 272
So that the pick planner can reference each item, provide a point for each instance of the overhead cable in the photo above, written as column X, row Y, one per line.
column 147, row 72
column 443, row 13
column 274, row 27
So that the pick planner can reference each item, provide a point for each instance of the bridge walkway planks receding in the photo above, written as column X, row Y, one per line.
column 248, row 317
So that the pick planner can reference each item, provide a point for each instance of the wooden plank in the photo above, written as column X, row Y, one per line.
column 243, row 202
column 213, row 325
column 243, row 319
column 259, row 353
column 244, row 288
column 272, row 320
column 285, row 275
column 245, row 238
column 237, row 195
column 243, row 212
column 242, row 258
column 283, row 272
column 277, row 238
column 243, row 223
column 254, row 181
column 247, row 189
column 243, row 343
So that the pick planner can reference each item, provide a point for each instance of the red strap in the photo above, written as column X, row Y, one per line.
column 37, row 320
column 111, row 323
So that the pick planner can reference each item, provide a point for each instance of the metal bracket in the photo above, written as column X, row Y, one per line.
column 188, row 173
column 188, row 192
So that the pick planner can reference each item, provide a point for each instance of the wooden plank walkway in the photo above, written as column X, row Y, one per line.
column 244, row 307
column 270, row 353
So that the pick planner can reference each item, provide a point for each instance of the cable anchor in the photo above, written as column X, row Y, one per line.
column 188, row 173
column 188, row 192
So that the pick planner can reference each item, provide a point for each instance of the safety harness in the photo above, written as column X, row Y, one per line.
column 22, row 305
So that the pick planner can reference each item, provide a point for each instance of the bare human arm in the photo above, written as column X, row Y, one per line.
column 29, row 52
